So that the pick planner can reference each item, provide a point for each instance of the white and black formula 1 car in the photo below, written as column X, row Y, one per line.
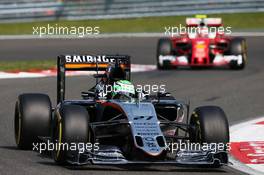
column 123, row 126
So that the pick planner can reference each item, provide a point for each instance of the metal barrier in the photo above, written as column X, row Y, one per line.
column 30, row 10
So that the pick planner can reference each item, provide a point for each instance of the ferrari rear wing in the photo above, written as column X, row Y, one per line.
column 210, row 22
column 86, row 63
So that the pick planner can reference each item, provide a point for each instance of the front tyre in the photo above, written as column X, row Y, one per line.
column 72, row 127
column 32, row 119
column 210, row 125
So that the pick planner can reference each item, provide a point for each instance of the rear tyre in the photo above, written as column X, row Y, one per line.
column 72, row 127
column 238, row 47
column 165, row 47
column 32, row 119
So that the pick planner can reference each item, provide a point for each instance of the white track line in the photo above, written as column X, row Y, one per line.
column 247, row 131
column 49, row 73
column 110, row 35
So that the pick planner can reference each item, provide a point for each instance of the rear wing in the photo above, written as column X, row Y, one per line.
column 210, row 22
column 86, row 63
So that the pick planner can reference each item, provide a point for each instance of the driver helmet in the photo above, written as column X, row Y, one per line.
column 115, row 73
column 203, row 29
column 123, row 89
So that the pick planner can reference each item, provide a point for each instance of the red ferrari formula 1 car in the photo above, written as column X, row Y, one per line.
column 200, row 47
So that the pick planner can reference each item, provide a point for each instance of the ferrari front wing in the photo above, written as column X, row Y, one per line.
column 219, row 60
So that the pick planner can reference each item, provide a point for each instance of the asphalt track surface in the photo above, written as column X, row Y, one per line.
column 239, row 93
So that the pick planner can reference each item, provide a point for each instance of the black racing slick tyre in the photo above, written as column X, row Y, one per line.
column 32, row 119
column 238, row 47
column 165, row 47
column 72, row 127
column 210, row 125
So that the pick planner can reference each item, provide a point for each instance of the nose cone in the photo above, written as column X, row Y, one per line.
column 151, row 145
column 200, row 51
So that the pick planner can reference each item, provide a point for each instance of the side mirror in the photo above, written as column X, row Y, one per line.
column 163, row 94
column 88, row 94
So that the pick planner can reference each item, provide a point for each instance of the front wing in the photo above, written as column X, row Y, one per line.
column 113, row 156
column 218, row 61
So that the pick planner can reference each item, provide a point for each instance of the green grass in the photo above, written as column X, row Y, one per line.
column 238, row 21
column 27, row 65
